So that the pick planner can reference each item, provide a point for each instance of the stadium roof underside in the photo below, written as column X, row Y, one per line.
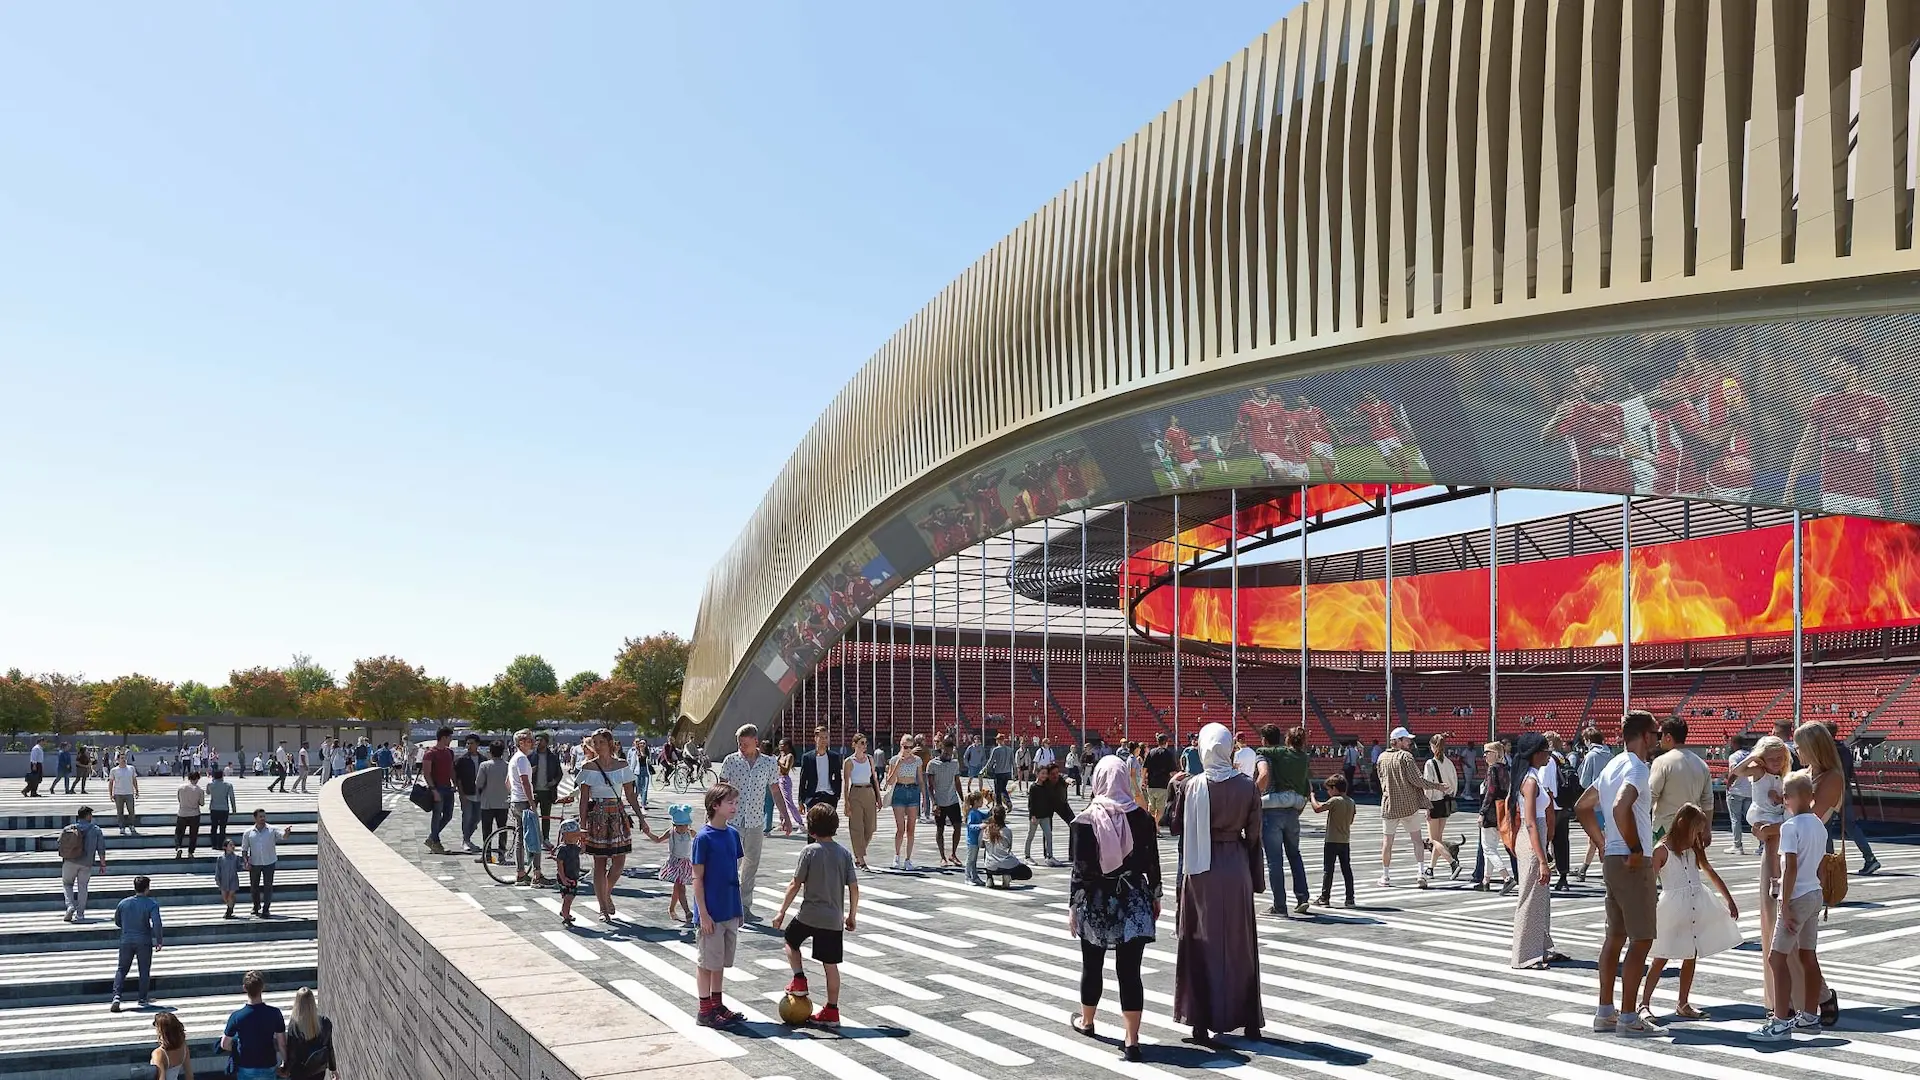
column 1397, row 242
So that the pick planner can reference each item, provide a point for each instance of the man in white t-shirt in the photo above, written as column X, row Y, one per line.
column 300, row 768
column 1625, row 794
column 36, row 769
column 124, row 786
column 520, row 805
column 1042, row 754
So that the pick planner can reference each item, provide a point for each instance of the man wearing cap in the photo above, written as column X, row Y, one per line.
column 752, row 773
column 1404, row 792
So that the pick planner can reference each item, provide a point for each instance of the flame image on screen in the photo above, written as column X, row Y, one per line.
column 1858, row 574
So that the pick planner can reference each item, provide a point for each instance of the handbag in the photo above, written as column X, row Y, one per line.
column 421, row 796
column 1443, row 806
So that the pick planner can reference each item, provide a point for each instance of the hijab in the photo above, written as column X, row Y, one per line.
column 1196, row 834
column 1112, row 801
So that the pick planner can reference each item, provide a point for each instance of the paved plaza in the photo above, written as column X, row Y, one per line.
column 952, row 981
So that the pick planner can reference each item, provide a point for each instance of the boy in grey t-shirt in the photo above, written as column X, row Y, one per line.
column 826, row 872
column 943, row 774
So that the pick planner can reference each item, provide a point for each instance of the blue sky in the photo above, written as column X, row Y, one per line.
column 457, row 331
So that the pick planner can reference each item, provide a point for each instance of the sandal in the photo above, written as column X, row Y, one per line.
column 1074, row 1022
column 1558, row 958
column 1830, row 1008
column 1688, row 1012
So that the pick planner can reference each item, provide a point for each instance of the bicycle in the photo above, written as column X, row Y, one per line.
column 397, row 781
column 509, row 841
column 689, row 774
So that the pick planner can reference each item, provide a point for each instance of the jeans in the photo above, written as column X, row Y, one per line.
column 279, row 782
column 544, row 800
column 643, row 779
column 973, row 862
column 529, row 836
column 1737, row 806
column 123, row 806
column 260, row 883
column 1045, row 826
column 1280, row 838
column 67, row 775
column 73, row 886
column 1000, row 796
column 469, row 819
column 217, row 829
column 1849, row 826
column 1562, row 841
column 129, row 952
column 442, row 813
column 1341, row 854
column 1126, row 971
column 257, row 1072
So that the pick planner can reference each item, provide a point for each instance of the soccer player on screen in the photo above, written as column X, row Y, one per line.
column 1381, row 419
column 1068, row 479
column 1312, row 429
column 1716, row 426
column 1036, row 491
column 1179, row 444
column 1595, row 432
column 1850, row 427
column 1261, row 423
column 984, row 493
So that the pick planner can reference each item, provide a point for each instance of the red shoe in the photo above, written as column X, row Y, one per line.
column 828, row 1016
column 798, row 987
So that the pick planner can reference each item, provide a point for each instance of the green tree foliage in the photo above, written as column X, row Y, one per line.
column 23, row 704
column 578, row 682
column 71, row 697
column 197, row 698
column 611, row 702
column 657, row 667
column 260, row 691
column 132, row 703
column 534, row 675
column 501, row 705
column 386, row 689
column 308, row 676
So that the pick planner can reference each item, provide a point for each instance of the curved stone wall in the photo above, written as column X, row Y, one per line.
column 419, row 984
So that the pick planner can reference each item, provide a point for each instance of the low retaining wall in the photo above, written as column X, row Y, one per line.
column 418, row 984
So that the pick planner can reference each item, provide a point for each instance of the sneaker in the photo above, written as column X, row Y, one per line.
column 1300, row 908
column 1806, row 1021
column 706, row 1018
column 1510, row 888
column 470, row 850
column 725, row 1017
column 68, row 917
column 436, row 847
column 798, row 986
column 115, row 1007
column 1870, row 868
column 1422, row 883
column 1638, row 1025
column 828, row 1016
column 1773, row 1031
column 1580, row 875
column 907, row 864
column 1386, row 882
column 1349, row 903
column 145, row 1002
column 1605, row 1021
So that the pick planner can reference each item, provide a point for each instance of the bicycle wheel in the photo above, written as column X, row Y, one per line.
column 501, row 856
column 678, row 778
column 397, row 783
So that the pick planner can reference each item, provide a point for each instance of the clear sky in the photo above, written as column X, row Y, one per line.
column 463, row 330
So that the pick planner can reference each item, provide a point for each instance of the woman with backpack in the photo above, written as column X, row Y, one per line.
column 1493, row 824
column 1565, row 780
column 309, row 1040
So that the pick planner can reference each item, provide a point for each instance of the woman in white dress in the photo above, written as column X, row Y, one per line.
column 1690, row 922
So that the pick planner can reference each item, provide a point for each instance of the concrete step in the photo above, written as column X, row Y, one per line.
column 151, row 816
column 86, row 1042
column 186, row 924
column 103, row 892
column 157, row 837
column 71, row 977
column 45, row 865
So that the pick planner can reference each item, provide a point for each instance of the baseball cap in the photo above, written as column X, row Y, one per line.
column 1398, row 734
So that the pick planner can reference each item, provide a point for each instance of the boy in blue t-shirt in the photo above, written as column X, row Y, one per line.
column 977, row 815
column 716, row 896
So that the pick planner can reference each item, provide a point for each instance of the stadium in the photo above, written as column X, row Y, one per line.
column 1375, row 263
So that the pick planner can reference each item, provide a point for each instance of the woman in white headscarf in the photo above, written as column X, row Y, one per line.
column 1216, row 984
column 1115, row 896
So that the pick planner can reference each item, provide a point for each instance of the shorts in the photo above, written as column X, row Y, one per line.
column 906, row 795
column 828, row 945
column 1157, row 802
column 717, row 948
column 1631, row 898
column 1806, row 917
column 947, row 815
column 1388, row 447
column 1322, row 450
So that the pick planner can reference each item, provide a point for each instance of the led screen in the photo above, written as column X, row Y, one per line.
column 1859, row 574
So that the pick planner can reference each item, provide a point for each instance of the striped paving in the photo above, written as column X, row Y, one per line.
column 947, row 980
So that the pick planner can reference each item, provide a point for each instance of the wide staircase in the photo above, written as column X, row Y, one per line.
column 56, row 977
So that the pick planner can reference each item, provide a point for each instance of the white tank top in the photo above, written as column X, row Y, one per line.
column 862, row 772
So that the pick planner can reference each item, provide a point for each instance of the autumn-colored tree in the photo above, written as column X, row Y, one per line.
column 502, row 705
column 552, row 708
column 132, row 703
column 308, row 676
column 71, row 697
column 611, row 702
column 386, row 689
column 23, row 705
column 326, row 703
column 579, row 681
column 261, row 691
column 534, row 675
column 197, row 698
column 657, row 667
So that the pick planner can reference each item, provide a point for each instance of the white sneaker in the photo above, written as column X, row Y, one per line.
column 1638, row 1025
column 1773, row 1031
column 1386, row 881
column 907, row 864
column 1806, row 1021
column 1604, row 1022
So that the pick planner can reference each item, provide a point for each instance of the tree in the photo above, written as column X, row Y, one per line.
column 580, row 681
column 611, row 702
column 132, row 703
column 534, row 675
column 552, row 708
column 23, row 705
column 197, row 698
column 260, row 691
column 386, row 689
column 325, row 703
column 308, row 676
column 501, row 705
column 657, row 667
column 71, row 697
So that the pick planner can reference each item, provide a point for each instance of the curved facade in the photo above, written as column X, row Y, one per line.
column 1489, row 242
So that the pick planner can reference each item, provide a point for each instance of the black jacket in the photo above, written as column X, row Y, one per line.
column 546, row 771
column 810, row 775
column 466, row 770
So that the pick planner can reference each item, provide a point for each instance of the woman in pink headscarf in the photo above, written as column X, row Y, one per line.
column 1115, row 896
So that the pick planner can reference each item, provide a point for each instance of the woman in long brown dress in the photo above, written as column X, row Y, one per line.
column 1216, row 979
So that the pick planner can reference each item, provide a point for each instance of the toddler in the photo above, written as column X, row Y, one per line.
column 1689, row 922
column 977, row 816
column 567, row 858
column 678, row 868
column 827, row 874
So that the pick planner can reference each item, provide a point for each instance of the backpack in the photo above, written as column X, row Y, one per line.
column 73, row 844
column 310, row 1058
